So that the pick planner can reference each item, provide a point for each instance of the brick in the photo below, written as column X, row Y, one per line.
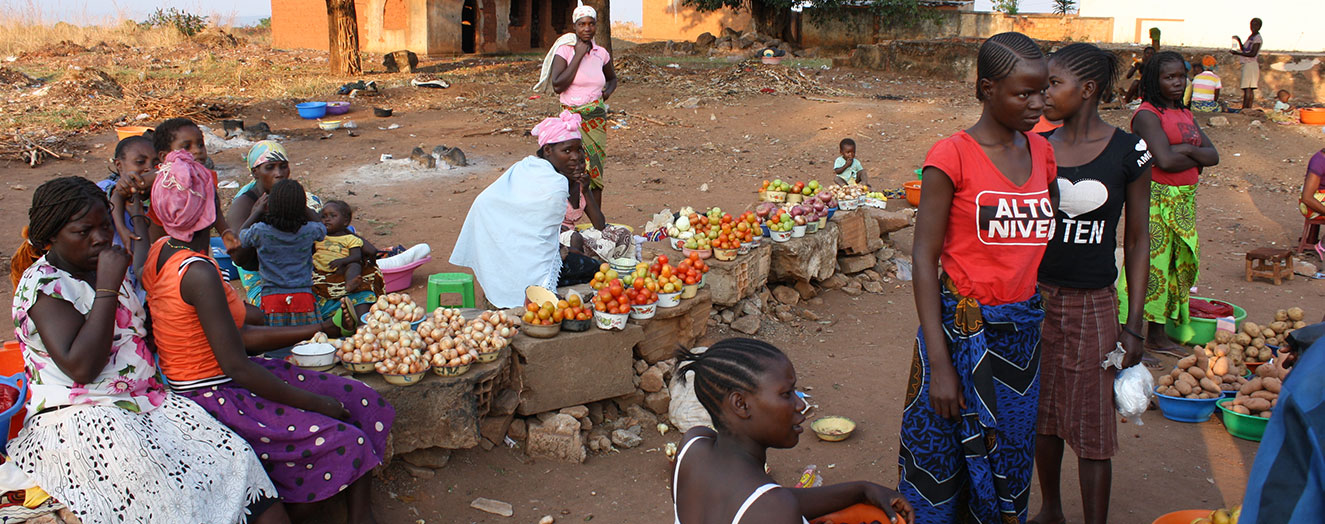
column 852, row 238
column 575, row 368
column 672, row 327
column 851, row 264
column 730, row 281
column 494, row 428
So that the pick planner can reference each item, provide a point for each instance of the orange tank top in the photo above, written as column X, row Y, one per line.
column 182, row 347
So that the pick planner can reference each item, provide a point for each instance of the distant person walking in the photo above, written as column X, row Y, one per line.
column 1251, row 71
column 581, row 73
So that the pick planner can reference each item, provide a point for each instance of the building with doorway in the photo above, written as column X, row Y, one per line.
column 428, row 27
column 1290, row 25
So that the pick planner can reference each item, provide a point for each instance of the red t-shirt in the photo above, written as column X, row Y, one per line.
column 1179, row 127
column 997, row 231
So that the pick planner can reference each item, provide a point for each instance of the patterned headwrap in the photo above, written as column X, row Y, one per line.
column 558, row 129
column 581, row 12
column 183, row 196
column 266, row 151
column 1208, row 61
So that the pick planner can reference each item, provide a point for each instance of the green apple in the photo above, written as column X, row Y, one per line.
column 691, row 243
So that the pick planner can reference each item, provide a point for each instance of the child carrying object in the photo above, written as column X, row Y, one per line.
column 283, row 231
column 847, row 167
column 342, row 277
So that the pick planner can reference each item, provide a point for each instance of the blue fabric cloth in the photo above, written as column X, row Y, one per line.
column 977, row 468
column 1287, row 481
column 285, row 260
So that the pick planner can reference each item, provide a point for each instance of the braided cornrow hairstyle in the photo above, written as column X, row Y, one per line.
column 1150, row 91
column 1000, row 54
column 54, row 204
column 1090, row 63
column 733, row 364
column 287, row 206
column 165, row 133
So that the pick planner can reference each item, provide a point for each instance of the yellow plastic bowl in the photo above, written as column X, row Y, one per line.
column 833, row 429
column 582, row 227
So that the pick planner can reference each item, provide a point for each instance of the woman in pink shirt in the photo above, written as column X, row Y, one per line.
column 583, row 77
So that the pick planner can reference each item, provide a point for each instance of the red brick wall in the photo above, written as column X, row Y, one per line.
column 303, row 23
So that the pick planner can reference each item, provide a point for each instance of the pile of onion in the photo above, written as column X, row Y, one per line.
column 398, row 306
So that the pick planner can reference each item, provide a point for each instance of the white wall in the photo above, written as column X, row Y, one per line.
column 1290, row 25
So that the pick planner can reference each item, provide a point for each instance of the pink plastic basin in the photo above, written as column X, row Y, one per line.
column 398, row 279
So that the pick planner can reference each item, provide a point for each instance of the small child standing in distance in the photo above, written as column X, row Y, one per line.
column 846, row 167
column 340, row 278
column 283, row 230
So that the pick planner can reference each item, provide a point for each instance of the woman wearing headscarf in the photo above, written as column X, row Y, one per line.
column 511, row 236
column 316, row 434
column 581, row 72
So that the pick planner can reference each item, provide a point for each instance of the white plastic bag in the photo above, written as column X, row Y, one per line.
column 685, row 410
column 1132, row 390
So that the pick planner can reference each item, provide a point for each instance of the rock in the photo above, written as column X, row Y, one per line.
column 422, row 158
column 641, row 366
column 786, row 295
column 784, row 314
column 215, row 37
column 651, row 381
column 575, row 411
column 610, row 410
column 495, row 507
column 816, row 301
column 748, row 324
column 558, row 438
column 419, row 472
column 596, row 413
column 705, row 39
column 1219, row 121
column 805, row 289
column 853, row 288
column 807, row 258
column 724, row 44
column 851, row 264
column 809, row 52
column 752, row 306
column 518, row 430
column 435, row 458
column 545, row 416
column 689, row 103
column 873, row 287
column 638, row 416
column 547, row 519
column 888, row 221
column 627, row 438
column 1303, row 267
column 397, row 61
column 872, row 275
column 555, row 372
column 48, row 518
column 730, row 33
column 658, row 401
column 505, row 403
column 624, row 402
column 727, row 315
column 68, row 516
column 455, row 157
column 1255, row 123
column 834, row 282
column 585, row 424
column 808, row 315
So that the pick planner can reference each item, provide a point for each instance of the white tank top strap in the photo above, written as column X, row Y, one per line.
column 676, row 478
column 751, row 500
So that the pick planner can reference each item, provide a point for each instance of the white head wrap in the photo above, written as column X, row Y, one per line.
column 581, row 12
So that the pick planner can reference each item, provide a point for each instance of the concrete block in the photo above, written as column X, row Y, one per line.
column 677, row 326
column 733, row 280
column 575, row 368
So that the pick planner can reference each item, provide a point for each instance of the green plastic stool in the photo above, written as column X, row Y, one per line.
column 439, row 283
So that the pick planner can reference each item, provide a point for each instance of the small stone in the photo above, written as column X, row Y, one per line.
column 1218, row 121
column 705, row 39
column 853, row 288
column 495, row 507
column 547, row 519
column 610, row 411
column 834, row 282
column 640, row 416
column 816, row 301
column 596, row 413
column 640, row 367
column 651, row 381
column 748, row 324
column 659, row 401
column 727, row 316
column 518, row 430
column 624, row 402
column 784, row 315
column 751, row 306
column 255, row 132
column 808, row 315
column 418, row 472
column 627, row 438
column 805, row 289
column 593, row 445
column 873, row 287
column 872, row 275
column 585, row 424
column 689, row 103
column 786, row 295
column 575, row 411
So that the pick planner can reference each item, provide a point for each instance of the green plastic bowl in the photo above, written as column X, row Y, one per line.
column 1245, row 427
column 1201, row 330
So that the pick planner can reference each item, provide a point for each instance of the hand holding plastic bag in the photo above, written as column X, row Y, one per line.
column 1132, row 391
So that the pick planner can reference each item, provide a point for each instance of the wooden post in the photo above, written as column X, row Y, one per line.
column 604, row 35
column 343, row 36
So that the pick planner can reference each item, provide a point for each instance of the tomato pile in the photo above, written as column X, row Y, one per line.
column 573, row 309
column 604, row 275
column 638, row 294
column 691, row 269
column 611, row 298
column 666, row 276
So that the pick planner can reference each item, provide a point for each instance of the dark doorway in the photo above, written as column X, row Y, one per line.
column 535, row 23
column 468, row 24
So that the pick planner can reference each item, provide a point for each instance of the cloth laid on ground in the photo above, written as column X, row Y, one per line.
column 510, row 237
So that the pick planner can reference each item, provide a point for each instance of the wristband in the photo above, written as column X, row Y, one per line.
column 105, row 295
column 131, row 217
column 1133, row 333
column 111, row 291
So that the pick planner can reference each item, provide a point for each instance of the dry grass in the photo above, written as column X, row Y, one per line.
column 627, row 31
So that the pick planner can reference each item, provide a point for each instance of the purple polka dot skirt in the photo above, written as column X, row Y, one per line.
column 308, row 456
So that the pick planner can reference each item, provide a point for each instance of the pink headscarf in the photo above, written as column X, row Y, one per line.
column 559, row 129
column 182, row 196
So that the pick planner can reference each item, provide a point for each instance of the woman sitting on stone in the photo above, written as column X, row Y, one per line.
column 512, row 235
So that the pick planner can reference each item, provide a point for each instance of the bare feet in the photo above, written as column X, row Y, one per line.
column 1045, row 516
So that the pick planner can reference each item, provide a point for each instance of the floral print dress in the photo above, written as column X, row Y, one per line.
column 121, row 448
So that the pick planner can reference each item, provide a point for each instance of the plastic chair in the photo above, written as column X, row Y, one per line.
column 439, row 283
column 17, row 381
column 1310, row 235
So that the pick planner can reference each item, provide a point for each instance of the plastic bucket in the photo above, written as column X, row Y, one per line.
column 398, row 279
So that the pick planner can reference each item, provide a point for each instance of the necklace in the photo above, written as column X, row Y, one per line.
column 171, row 242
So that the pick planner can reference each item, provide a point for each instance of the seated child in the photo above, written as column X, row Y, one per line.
column 1283, row 112
column 172, row 135
column 283, row 230
column 135, row 158
column 343, row 278
column 847, row 167
column 1205, row 86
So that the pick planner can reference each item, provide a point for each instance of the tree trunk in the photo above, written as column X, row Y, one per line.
column 343, row 36
column 771, row 21
column 604, row 35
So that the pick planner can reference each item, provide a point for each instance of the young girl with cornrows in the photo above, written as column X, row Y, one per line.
column 986, row 211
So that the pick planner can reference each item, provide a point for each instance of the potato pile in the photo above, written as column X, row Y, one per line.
column 1204, row 374
column 1259, row 395
column 399, row 306
column 1258, row 336
column 453, row 342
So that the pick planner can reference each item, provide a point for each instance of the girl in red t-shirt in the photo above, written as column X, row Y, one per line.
column 986, row 212
column 1181, row 150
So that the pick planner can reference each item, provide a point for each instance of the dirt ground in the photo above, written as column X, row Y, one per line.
column 853, row 364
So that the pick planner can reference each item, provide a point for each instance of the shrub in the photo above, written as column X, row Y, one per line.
column 187, row 23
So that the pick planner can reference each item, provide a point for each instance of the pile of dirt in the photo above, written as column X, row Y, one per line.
column 62, row 48
column 110, row 48
column 14, row 78
column 216, row 38
column 752, row 77
column 635, row 68
column 81, row 84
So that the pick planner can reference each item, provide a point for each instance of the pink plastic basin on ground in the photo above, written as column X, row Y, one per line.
column 398, row 279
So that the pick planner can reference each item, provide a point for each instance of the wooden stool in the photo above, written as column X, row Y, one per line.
column 1272, row 263
column 1310, row 235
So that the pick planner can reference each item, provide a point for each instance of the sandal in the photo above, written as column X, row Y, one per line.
column 1151, row 362
column 1174, row 351
column 349, row 323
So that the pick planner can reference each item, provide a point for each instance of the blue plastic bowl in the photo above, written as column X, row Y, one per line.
column 223, row 259
column 831, row 211
column 765, row 228
column 312, row 110
column 1187, row 409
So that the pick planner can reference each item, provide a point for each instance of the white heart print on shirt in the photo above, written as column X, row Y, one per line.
column 1082, row 197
